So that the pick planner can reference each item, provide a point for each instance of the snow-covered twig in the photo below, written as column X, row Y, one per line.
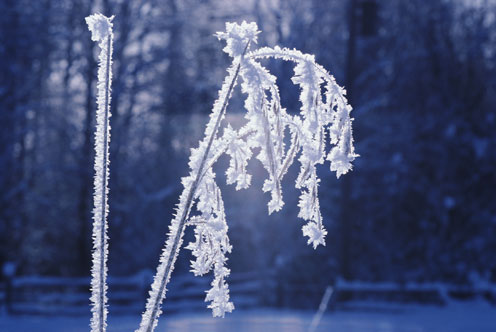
column 101, row 32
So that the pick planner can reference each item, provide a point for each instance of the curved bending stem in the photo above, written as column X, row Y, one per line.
column 151, row 314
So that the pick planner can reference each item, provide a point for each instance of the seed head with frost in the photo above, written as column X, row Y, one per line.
column 100, row 26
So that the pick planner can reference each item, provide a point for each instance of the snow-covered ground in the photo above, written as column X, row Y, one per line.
column 472, row 316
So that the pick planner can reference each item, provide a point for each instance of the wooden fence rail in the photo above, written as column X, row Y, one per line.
column 127, row 295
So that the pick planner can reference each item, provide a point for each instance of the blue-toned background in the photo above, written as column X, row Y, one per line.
column 419, row 206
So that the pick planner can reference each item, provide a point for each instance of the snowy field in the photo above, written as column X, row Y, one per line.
column 456, row 317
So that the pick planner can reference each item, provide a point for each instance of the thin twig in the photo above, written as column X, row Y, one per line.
column 103, row 192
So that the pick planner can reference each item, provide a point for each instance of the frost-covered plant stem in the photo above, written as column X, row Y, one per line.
column 323, row 109
column 175, row 236
column 101, row 30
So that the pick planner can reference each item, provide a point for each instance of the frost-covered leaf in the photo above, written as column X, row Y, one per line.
column 316, row 235
column 240, row 152
column 211, row 245
column 218, row 295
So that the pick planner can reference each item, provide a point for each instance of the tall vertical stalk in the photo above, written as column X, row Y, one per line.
column 101, row 29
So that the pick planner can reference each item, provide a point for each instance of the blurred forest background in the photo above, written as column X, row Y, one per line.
column 421, row 76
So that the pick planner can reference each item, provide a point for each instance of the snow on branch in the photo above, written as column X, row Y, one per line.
column 101, row 32
column 201, row 205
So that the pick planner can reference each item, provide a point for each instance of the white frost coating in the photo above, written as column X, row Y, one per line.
column 316, row 235
column 201, row 205
column 211, row 244
column 195, row 184
column 101, row 32
column 100, row 26
column 318, row 114
column 236, row 36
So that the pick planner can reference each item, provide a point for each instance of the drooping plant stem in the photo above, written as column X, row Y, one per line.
column 174, row 241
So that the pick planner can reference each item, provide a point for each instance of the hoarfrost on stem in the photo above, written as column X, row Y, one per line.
column 101, row 32
column 100, row 26
column 201, row 175
column 267, row 122
column 319, row 114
